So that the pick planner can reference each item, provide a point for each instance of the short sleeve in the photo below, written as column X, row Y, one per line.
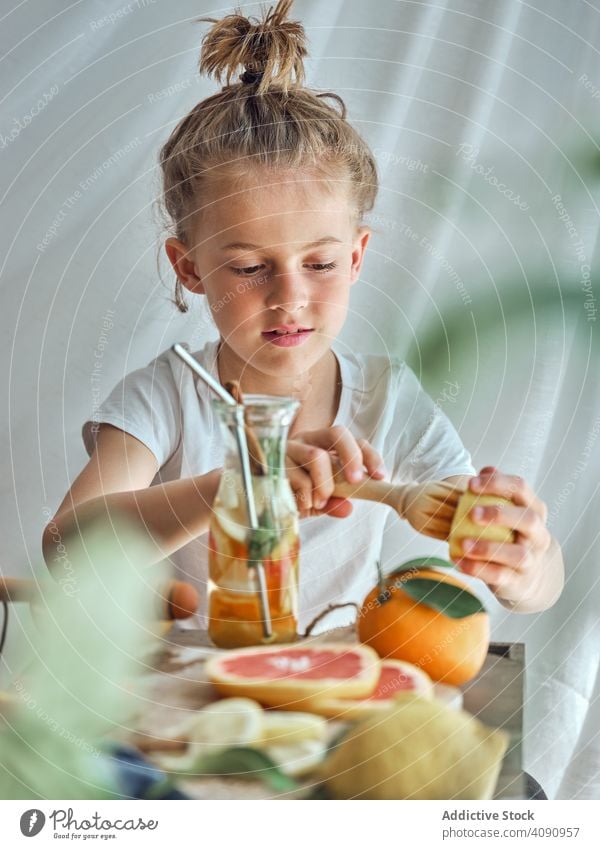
column 145, row 404
column 428, row 446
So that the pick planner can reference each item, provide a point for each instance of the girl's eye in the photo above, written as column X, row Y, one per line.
column 248, row 271
column 323, row 266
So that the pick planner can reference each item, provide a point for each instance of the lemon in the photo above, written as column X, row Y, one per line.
column 280, row 728
column 236, row 530
column 228, row 722
column 418, row 749
column 220, row 725
column 463, row 527
column 296, row 759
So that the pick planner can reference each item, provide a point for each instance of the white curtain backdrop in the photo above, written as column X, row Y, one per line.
column 484, row 118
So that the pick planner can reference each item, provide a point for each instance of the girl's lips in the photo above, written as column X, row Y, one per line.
column 287, row 340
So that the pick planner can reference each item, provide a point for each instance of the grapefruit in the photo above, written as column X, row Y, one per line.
column 397, row 677
column 292, row 677
column 448, row 649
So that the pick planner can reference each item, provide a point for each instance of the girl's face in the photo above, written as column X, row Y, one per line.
column 276, row 255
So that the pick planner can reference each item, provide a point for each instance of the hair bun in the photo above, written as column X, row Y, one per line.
column 269, row 51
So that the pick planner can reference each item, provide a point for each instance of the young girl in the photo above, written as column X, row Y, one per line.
column 267, row 186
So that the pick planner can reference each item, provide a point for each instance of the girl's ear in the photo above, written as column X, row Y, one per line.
column 183, row 265
column 358, row 252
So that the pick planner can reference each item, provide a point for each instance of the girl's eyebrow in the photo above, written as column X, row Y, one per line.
column 246, row 246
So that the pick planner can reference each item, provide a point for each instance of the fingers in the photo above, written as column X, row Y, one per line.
column 314, row 500
column 524, row 520
column 313, row 460
column 493, row 482
column 315, row 479
column 302, row 489
column 511, row 570
column 352, row 454
column 497, row 576
column 340, row 508
column 505, row 581
column 515, row 556
column 372, row 460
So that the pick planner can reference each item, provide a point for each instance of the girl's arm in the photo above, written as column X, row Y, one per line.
column 526, row 576
column 117, row 480
column 118, row 475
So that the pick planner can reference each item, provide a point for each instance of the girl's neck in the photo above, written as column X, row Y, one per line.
column 318, row 389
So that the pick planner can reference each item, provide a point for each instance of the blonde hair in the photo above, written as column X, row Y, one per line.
column 268, row 118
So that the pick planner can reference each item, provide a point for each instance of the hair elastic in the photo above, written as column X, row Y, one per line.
column 251, row 77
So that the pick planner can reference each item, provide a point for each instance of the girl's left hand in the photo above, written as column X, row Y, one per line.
column 512, row 570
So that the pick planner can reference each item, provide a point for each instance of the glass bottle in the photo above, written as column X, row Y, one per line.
column 233, row 602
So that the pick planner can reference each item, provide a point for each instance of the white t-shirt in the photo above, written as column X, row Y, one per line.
column 168, row 408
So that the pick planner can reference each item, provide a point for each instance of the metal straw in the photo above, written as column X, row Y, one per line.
column 242, row 445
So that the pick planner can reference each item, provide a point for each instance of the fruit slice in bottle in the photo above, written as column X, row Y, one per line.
column 234, row 610
column 235, row 620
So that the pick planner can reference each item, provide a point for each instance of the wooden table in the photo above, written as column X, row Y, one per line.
column 177, row 685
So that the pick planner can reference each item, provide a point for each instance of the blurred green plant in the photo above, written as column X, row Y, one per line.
column 82, row 681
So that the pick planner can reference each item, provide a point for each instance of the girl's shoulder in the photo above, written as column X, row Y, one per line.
column 152, row 403
column 383, row 384
column 168, row 374
column 371, row 373
column 206, row 356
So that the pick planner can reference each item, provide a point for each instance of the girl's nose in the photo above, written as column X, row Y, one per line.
column 288, row 291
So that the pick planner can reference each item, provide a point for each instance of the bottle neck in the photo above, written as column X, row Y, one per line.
column 266, row 448
column 263, row 423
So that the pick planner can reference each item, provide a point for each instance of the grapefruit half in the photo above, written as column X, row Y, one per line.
column 292, row 677
column 396, row 677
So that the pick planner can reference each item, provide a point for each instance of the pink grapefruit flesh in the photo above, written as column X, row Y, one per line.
column 292, row 676
column 396, row 677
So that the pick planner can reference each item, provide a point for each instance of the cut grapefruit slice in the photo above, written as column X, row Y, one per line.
column 396, row 677
column 291, row 677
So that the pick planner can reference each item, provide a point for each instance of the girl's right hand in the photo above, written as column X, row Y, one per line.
column 314, row 457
